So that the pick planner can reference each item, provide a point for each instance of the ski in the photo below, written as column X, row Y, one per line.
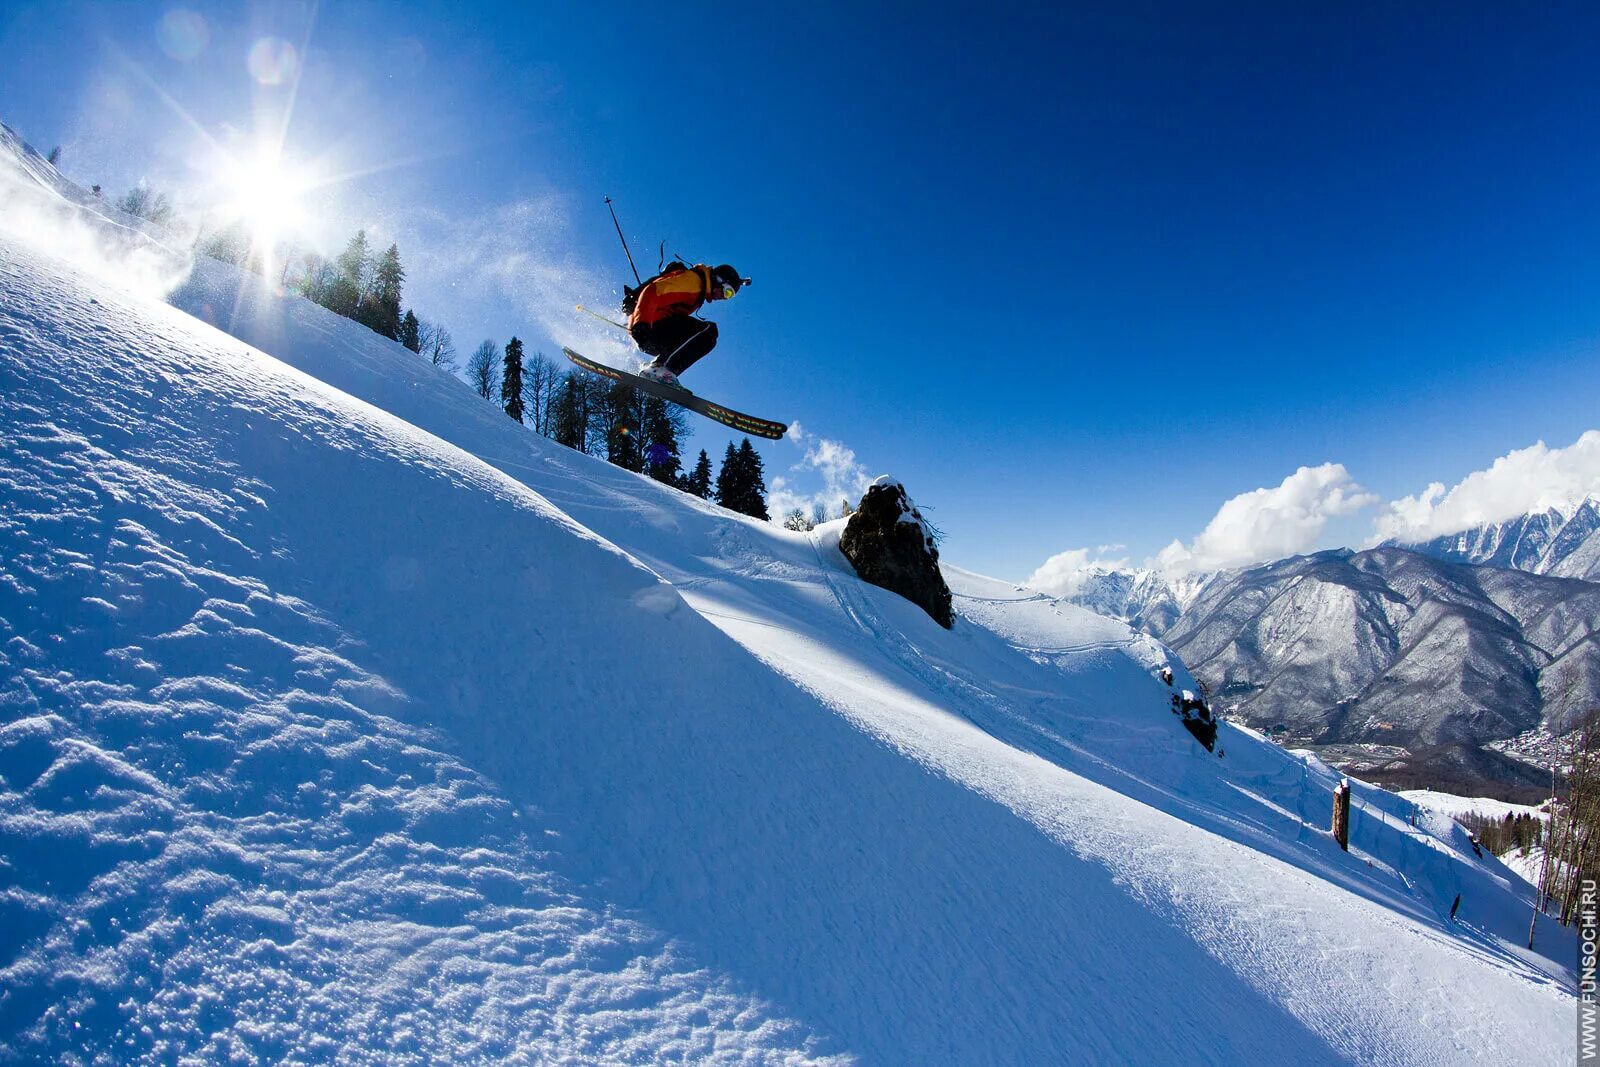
column 682, row 397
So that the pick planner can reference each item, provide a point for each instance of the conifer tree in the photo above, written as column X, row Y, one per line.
column 569, row 422
column 662, row 423
column 623, row 446
column 728, row 480
column 511, row 382
column 741, row 485
column 699, row 480
column 753, row 483
column 380, row 308
column 410, row 335
column 349, row 277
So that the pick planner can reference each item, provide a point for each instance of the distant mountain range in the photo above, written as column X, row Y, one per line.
column 1146, row 599
column 1564, row 542
column 1402, row 663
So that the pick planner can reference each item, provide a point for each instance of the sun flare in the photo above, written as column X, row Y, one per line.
column 265, row 195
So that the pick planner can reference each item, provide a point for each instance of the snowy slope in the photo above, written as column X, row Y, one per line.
column 1455, row 807
column 340, row 717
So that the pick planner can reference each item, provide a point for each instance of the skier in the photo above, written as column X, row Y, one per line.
column 662, row 321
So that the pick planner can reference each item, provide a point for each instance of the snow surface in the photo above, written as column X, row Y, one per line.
column 341, row 718
column 1455, row 806
column 1529, row 866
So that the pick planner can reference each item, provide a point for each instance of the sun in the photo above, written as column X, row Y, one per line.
column 265, row 194
column 260, row 194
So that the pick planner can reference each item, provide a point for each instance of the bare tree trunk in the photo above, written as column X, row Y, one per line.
column 1583, row 805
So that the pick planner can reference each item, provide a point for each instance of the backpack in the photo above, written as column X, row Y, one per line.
column 630, row 293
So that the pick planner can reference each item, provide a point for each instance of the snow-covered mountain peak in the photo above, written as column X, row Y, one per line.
column 1561, row 540
column 1148, row 599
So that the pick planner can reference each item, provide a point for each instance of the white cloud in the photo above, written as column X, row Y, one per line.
column 1522, row 481
column 1255, row 527
column 1064, row 573
column 842, row 477
column 1268, row 524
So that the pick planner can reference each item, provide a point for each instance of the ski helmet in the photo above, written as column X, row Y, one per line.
column 727, row 281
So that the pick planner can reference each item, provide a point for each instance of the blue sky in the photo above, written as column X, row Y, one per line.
column 1077, row 278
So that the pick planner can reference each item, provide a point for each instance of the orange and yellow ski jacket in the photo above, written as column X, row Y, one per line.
column 677, row 292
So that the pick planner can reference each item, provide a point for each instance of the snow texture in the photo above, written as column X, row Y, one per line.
column 343, row 719
column 1455, row 806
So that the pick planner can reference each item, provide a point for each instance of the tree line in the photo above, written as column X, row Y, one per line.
column 1512, row 833
column 599, row 417
column 366, row 287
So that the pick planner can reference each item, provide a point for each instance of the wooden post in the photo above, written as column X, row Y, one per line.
column 1341, row 814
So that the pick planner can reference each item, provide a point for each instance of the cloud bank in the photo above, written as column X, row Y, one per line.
column 1289, row 519
column 1255, row 527
column 1268, row 524
column 1064, row 573
column 1526, row 480
column 843, row 477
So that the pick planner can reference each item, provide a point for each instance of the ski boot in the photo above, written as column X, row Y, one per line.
column 660, row 374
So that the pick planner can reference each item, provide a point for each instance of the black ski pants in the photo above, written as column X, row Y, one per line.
column 676, row 342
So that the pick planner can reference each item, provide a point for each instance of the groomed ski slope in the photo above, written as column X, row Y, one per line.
column 342, row 718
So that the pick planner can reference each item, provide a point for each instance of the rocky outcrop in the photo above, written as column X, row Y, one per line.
column 890, row 545
column 1197, row 717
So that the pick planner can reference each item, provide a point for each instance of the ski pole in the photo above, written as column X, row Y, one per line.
column 601, row 317
column 624, row 240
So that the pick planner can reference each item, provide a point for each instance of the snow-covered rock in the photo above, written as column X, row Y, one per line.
column 889, row 544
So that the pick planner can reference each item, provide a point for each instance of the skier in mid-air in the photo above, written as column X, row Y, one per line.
column 662, row 321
